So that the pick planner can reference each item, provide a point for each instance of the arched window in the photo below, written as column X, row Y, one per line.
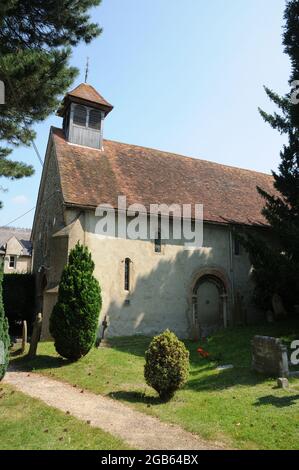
column 94, row 119
column 127, row 274
column 80, row 114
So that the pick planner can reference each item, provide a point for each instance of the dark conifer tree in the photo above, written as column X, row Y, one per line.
column 36, row 40
column 75, row 317
column 276, row 266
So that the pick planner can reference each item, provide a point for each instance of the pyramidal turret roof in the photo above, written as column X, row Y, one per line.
column 89, row 93
column 85, row 93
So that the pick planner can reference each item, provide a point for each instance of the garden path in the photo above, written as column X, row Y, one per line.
column 138, row 429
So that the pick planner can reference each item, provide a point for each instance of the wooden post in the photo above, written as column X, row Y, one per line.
column 24, row 336
column 36, row 332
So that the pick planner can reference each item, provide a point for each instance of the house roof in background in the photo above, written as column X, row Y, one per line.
column 90, row 177
column 21, row 234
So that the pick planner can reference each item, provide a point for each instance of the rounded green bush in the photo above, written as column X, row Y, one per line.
column 167, row 364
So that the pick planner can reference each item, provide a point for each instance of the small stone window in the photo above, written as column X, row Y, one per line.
column 94, row 119
column 12, row 262
column 127, row 277
column 80, row 115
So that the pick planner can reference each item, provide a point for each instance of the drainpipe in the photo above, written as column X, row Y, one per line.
column 231, row 267
column 225, row 319
column 84, row 227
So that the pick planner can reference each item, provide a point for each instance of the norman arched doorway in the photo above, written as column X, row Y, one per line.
column 209, row 303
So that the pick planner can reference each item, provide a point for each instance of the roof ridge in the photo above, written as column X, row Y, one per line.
column 19, row 229
column 174, row 154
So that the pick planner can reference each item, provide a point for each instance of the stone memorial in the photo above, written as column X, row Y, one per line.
column 283, row 383
column 278, row 307
column 269, row 357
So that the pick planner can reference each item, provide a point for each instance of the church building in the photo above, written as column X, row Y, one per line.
column 147, row 285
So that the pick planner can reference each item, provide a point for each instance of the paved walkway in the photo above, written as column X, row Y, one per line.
column 137, row 429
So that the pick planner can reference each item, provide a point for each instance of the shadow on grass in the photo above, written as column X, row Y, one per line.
column 136, row 345
column 278, row 402
column 16, row 352
column 136, row 397
column 40, row 362
column 227, row 346
column 224, row 380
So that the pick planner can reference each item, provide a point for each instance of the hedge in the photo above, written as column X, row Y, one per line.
column 19, row 300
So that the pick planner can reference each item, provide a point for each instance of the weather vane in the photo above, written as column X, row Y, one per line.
column 86, row 69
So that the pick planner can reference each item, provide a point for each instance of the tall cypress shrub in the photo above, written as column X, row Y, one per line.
column 4, row 337
column 74, row 320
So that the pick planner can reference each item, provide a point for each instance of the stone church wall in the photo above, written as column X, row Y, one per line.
column 160, row 293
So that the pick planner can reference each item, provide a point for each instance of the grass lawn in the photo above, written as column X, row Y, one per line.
column 28, row 424
column 234, row 406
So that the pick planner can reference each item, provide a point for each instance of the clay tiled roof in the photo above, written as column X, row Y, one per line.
column 87, row 93
column 90, row 177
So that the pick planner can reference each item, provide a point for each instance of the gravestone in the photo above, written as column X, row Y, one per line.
column 283, row 383
column 278, row 307
column 269, row 356
column 102, row 342
column 296, row 309
column 269, row 316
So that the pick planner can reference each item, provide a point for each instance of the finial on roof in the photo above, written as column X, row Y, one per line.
column 86, row 69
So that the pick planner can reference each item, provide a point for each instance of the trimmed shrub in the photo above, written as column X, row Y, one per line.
column 21, row 306
column 167, row 364
column 74, row 320
column 4, row 337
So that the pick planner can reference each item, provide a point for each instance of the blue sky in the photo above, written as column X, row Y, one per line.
column 183, row 76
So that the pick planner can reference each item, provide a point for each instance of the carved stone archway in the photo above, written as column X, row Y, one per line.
column 209, row 282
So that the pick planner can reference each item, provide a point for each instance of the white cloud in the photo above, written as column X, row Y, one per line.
column 20, row 200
